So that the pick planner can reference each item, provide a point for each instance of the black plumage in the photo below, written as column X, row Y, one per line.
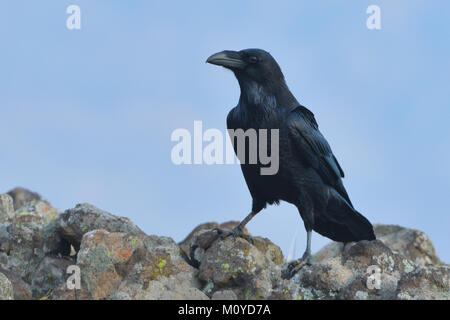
column 309, row 175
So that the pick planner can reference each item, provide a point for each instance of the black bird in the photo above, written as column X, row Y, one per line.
column 309, row 175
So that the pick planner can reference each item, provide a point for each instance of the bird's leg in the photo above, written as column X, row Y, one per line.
column 307, row 255
column 238, row 231
column 344, row 245
column 306, row 259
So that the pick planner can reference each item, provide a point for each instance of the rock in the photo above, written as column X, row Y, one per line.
column 236, row 264
column 118, row 261
column 22, row 290
column 62, row 292
column 329, row 251
column 409, row 265
column 39, row 213
column 413, row 244
column 23, row 196
column 364, row 256
column 186, row 243
column 70, row 226
column 6, row 288
column 425, row 283
column 21, row 243
column 171, row 288
column 34, row 211
column 117, row 265
column 345, row 275
column 6, row 208
column 51, row 273
column 224, row 295
column 20, row 248
column 201, row 241
column 21, row 240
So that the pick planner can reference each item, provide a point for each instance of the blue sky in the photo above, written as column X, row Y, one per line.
column 86, row 115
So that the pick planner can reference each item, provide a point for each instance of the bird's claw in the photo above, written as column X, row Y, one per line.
column 295, row 266
column 235, row 232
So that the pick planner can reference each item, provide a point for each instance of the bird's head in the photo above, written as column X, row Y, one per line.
column 249, row 64
column 255, row 69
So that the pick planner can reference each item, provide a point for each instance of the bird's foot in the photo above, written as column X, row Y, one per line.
column 235, row 232
column 296, row 265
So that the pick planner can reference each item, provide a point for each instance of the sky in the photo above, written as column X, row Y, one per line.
column 86, row 115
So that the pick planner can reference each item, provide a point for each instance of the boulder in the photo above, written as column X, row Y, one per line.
column 51, row 273
column 186, row 243
column 6, row 288
column 69, row 227
column 353, row 272
column 6, row 208
column 425, row 283
column 22, row 290
column 414, row 245
column 116, row 265
column 20, row 248
column 245, row 267
column 22, row 235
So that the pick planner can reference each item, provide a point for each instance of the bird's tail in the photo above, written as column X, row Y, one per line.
column 341, row 222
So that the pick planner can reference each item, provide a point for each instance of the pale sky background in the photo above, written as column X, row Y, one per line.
column 86, row 116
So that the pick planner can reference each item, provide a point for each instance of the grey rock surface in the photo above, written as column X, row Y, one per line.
column 6, row 208
column 117, row 260
column 6, row 288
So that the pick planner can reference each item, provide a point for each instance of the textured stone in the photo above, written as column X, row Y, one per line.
column 69, row 227
column 119, row 265
column 425, row 283
column 413, row 244
column 22, row 290
column 6, row 208
column 118, row 261
column 234, row 263
column 224, row 295
column 51, row 273
column 6, row 288
column 20, row 248
column 186, row 243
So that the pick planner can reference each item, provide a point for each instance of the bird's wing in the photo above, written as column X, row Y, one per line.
column 314, row 149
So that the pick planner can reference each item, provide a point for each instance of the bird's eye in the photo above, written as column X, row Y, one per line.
column 253, row 59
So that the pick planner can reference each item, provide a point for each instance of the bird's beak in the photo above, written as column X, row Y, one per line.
column 228, row 59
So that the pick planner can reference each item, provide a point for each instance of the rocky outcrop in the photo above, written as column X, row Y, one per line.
column 43, row 251
column 246, row 268
column 369, row 270
column 126, row 266
column 21, row 236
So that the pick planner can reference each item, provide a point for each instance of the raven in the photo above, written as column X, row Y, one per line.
column 309, row 175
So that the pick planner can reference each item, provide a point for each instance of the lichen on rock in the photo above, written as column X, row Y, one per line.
column 6, row 288
column 117, row 260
